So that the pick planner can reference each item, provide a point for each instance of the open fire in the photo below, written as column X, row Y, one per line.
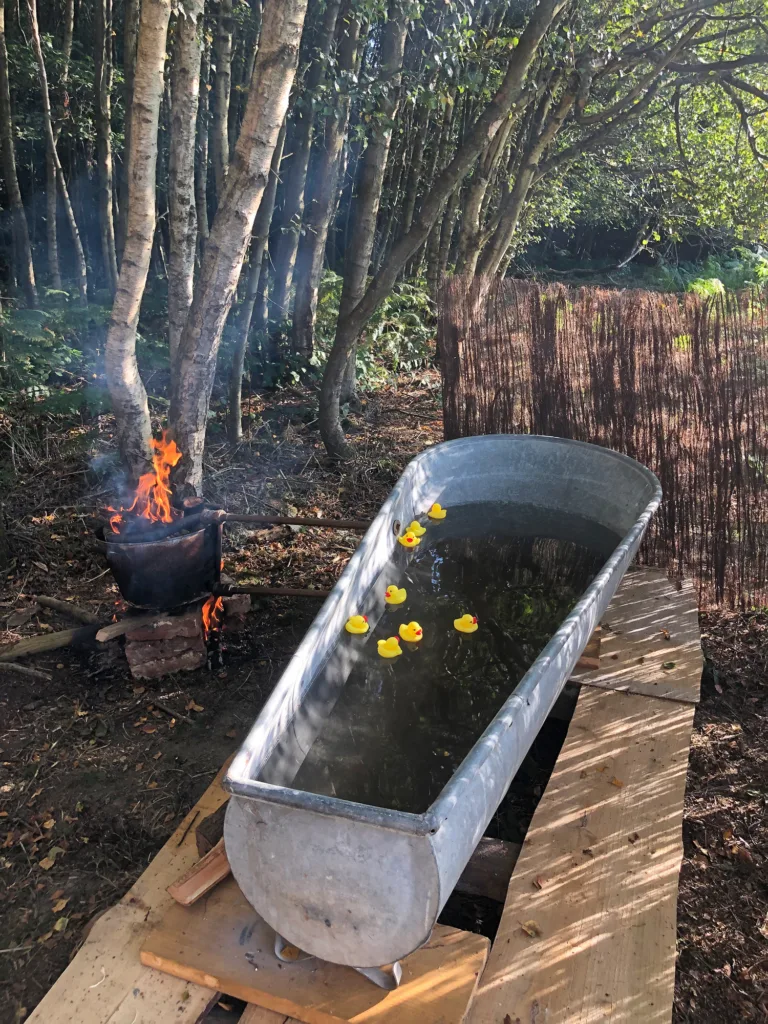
column 152, row 501
column 213, row 610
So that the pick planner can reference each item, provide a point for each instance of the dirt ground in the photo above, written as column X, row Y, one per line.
column 97, row 770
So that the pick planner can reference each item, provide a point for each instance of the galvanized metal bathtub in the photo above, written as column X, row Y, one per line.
column 360, row 885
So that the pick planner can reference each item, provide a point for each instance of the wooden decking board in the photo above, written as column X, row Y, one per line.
column 635, row 646
column 588, row 928
column 606, row 916
column 222, row 942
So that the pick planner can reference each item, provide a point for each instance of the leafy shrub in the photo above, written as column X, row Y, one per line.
column 399, row 336
column 46, row 354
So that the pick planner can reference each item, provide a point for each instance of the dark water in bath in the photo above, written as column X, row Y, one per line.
column 392, row 732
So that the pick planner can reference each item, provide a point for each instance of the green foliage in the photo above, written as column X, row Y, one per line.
column 399, row 336
column 47, row 356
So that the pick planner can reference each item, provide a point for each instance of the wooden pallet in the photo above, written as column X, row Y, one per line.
column 588, row 929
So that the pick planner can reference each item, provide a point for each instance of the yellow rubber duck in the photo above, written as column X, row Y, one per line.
column 412, row 632
column 357, row 624
column 409, row 539
column 437, row 512
column 394, row 594
column 389, row 648
column 416, row 528
column 466, row 624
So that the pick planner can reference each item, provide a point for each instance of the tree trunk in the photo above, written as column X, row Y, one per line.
column 259, row 238
column 185, row 90
column 416, row 162
column 371, row 179
column 222, row 60
column 82, row 279
column 224, row 253
column 129, row 399
column 51, row 191
column 509, row 214
column 25, row 270
column 510, row 95
column 201, row 163
column 295, row 177
column 131, row 14
column 51, row 227
column 321, row 197
column 470, row 242
column 103, row 118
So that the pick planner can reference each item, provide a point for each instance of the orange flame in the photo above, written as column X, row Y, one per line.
column 213, row 610
column 153, row 494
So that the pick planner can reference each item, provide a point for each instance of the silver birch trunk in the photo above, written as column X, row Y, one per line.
column 222, row 83
column 82, row 278
column 129, row 399
column 103, row 112
column 185, row 90
column 25, row 270
column 230, row 232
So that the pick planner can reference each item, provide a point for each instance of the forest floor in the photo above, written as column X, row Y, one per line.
column 96, row 770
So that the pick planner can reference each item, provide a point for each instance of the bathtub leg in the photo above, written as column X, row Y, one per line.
column 387, row 978
column 289, row 953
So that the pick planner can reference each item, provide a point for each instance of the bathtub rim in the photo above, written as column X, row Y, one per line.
column 237, row 780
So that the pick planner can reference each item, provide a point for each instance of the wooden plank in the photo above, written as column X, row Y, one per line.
column 650, row 624
column 200, row 879
column 106, row 982
column 258, row 1015
column 588, row 928
column 221, row 942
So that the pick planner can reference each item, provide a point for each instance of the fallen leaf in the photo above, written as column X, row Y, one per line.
column 718, row 687
column 49, row 824
column 231, row 733
column 158, row 755
column 139, row 689
column 55, row 895
column 700, row 848
column 44, row 938
column 290, row 953
column 727, row 835
column 669, row 664
column 539, row 882
column 47, row 863
column 616, row 782
column 61, row 924
column 138, row 767
column 602, row 768
column 148, row 729
column 21, row 616
column 184, row 995
column 763, row 926
column 59, row 905
column 152, row 785
column 530, row 928
column 666, row 634
column 633, row 838
column 192, row 706
column 41, row 565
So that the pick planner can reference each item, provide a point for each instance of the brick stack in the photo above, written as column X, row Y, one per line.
column 174, row 643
